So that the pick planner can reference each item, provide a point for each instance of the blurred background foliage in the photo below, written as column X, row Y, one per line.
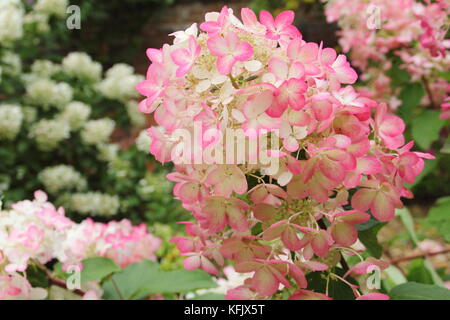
column 119, row 31
column 112, row 29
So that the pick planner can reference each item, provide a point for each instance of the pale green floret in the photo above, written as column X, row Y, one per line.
column 11, row 21
column 61, row 178
column 143, row 142
column 81, row 66
column 107, row 152
column 137, row 118
column 44, row 68
column 119, row 83
column 76, row 114
column 11, row 118
column 94, row 204
column 12, row 64
column 45, row 92
column 97, row 132
column 52, row 7
column 48, row 134
column 37, row 21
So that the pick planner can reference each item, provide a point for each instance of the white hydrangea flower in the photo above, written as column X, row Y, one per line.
column 94, row 204
column 46, row 92
column 107, row 152
column 44, row 68
column 61, row 178
column 76, row 114
column 11, row 117
column 38, row 21
column 52, row 7
column 143, row 142
column 119, row 70
column 11, row 20
column 97, row 132
column 12, row 64
column 137, row 118
column 181, row 36
column 48, row 134
column 119, row 83
column 81, row 66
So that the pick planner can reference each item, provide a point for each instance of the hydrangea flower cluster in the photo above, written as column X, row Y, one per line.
column 34, row 231
column 414, row 31
column 278, row 224
column 52, row 7
column 80, row 65
column 119, row 83
column 14, row 19
column 11, row 20
column 61, row 178
column 97, row 132
column 93, row 203
column 60, row 115
column 11, row 117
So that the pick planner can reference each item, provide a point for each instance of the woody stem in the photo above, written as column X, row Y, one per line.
column 55, row 281
column 420, row 255
column 428, row 90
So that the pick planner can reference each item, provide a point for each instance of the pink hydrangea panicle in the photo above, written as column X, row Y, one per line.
column 340, row 157
column 415, row 41
column 37, row 231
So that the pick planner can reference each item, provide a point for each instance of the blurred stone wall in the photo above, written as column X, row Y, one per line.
column 309, row 19
column 179, row 17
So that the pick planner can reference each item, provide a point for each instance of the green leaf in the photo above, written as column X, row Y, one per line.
column 186, row 280
column 446, row 147
column 419, row 291
column 369, row 238
column 426, row 127
column 139, row 280
column 445, row 75
column 210, row 296
column 368, row 224
column 439, row 217
column 410, row 96
column 37, row 277
column 397, row 75
column 337, row 289
column 408, row 222
column 418, row 272
column 394, row 277
column 97, row 268
column 58, row 272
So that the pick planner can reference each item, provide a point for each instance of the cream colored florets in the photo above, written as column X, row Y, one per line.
column 11, row 21
column 119, row 83
column 48, row 134
column 94, row 203
column 46, row 93
column 52, row 7
column 76, row 114
column 81, row 66
column 98, row 131
column 11, row 117
column 61, row 178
